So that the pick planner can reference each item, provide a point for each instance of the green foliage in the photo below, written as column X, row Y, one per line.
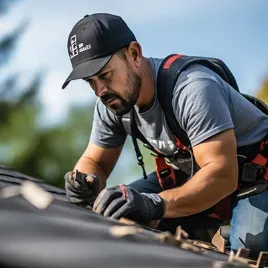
column 263, row 91
column 18, row 106
column 25, row 146
column 54, row 151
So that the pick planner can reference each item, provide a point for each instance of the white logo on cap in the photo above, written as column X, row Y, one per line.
column 74, row 50
column 73, row 47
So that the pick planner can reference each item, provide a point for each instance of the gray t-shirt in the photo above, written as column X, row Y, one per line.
column 204, row 105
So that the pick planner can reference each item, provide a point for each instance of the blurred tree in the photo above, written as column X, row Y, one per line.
column 12, row 97
column 17, row 105
column 46, row 153
column 262, row 93
column 51, row 152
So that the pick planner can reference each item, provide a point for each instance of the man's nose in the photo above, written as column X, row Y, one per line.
column 100, row 88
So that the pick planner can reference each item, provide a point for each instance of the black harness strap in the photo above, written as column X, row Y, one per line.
column 135, row 133
column 169, row 71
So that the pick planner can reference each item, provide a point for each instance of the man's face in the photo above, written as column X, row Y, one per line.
column 117, row 85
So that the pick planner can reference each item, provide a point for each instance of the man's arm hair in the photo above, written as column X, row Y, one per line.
column 98, row 161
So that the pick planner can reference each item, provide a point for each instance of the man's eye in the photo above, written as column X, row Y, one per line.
column 104, row 75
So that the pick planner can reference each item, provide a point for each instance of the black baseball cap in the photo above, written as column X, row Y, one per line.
column 93, row 41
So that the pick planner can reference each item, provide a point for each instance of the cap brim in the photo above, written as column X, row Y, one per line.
column 86, row 69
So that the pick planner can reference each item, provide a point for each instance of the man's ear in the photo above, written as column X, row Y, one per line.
column 135, row 53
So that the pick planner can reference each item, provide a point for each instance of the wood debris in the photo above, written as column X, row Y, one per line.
column 33, row 193
column 122, row 231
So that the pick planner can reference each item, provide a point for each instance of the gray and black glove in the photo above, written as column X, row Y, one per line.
column 81, row 188
column 123, row 201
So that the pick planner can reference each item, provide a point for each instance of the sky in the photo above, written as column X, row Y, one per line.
column 234, row 30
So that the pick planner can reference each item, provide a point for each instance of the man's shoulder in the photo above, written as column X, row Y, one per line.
column 104, row 113
column 195, row 75
column 191, row 73
column 100, row 107
column 194, row 81
column 196, row 72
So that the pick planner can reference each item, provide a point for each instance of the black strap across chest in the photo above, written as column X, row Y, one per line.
column 169, row 71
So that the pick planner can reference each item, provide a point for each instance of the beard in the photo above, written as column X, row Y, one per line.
column 126, row 102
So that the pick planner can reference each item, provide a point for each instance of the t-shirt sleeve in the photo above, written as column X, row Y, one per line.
column 107, row 131
column 202, row 109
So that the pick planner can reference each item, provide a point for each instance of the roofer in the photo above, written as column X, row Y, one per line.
column 191, row 180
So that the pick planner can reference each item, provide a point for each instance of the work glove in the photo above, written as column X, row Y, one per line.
column 123, row 201
column 81, row 188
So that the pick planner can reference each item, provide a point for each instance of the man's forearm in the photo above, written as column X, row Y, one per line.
column 87, row 165
column 208, row 186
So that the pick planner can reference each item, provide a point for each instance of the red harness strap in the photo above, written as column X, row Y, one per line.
column 262, row 158
column 223, row 208
column 171, row 60
column 167, row 178
column 165, row 173
column 180, row 145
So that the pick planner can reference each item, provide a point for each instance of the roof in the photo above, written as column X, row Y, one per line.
column 67, row 235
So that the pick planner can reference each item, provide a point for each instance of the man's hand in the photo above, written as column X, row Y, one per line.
column 123, row 201
column 81, row 188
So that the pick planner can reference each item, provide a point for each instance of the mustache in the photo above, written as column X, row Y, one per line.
column 109, row 96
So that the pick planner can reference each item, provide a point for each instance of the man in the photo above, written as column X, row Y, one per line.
column 217, row 119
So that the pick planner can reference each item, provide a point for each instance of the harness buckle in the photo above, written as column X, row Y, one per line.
column 252, row 172
column 180, row 153
column 165, row 173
